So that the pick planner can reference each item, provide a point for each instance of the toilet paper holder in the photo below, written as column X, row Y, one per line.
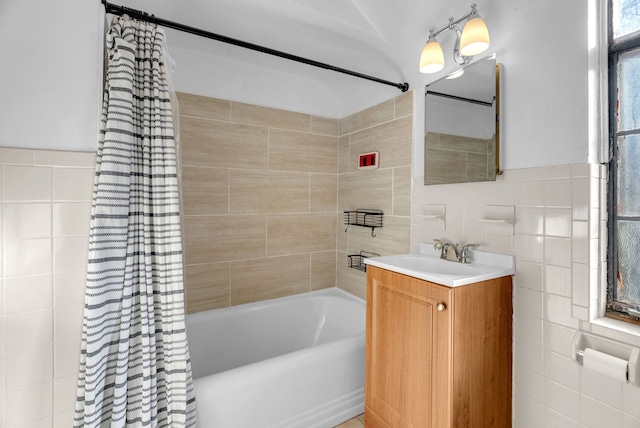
column 631, row 354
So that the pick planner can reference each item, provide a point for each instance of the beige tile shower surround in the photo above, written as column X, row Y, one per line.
column 388, row 129
column 264, row 190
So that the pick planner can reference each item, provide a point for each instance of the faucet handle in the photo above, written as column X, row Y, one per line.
column 464, row 254
column 438, row 244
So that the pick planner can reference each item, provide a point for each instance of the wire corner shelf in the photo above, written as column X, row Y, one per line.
column 364, row 218
column 356, row 261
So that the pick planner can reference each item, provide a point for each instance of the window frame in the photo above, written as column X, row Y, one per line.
column 613, row 308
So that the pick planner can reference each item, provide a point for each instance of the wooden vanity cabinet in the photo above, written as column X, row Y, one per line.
column 437, row 356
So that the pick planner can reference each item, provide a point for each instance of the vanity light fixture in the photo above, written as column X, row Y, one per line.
column 471, row 41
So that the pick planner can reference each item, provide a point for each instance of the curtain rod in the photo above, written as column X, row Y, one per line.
column 120, row 10
column 457, row 98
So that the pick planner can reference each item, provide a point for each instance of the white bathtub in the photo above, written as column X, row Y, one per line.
column 292, row 362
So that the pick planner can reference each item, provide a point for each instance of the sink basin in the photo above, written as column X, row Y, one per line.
column 428, row 266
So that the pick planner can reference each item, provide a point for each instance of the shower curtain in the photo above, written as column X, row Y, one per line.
column 135, row 368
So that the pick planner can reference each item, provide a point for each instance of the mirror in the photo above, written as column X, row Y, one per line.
column 461, row 142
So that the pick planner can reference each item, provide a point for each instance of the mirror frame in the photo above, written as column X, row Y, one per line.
column 499, row 171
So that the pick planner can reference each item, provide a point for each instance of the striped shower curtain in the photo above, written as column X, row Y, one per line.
column 135, row 368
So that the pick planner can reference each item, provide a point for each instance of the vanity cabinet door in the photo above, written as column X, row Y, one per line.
column 409, row 346
column 437, row 357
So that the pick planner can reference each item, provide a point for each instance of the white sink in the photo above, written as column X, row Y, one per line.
column 428, row 266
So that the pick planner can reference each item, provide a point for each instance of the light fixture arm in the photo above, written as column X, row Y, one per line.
column 457, row 56
column 452, row 23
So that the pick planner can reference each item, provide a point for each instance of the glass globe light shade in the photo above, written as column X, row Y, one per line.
column 475, row 37
column 432, row 58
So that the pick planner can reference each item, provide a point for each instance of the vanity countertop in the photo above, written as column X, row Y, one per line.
column 430, row 267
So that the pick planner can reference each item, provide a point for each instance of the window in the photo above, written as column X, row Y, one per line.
column 623, row 293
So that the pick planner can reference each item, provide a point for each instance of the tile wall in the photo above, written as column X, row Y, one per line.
column 45, row 208
column 260, row 192
column 388, row 129
column 554, row 235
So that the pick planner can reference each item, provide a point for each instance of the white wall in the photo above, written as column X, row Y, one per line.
column 545, row 99
column 49, row 78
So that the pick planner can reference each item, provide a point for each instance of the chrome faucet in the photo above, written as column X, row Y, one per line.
column 460, row 255
column 464, row 254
